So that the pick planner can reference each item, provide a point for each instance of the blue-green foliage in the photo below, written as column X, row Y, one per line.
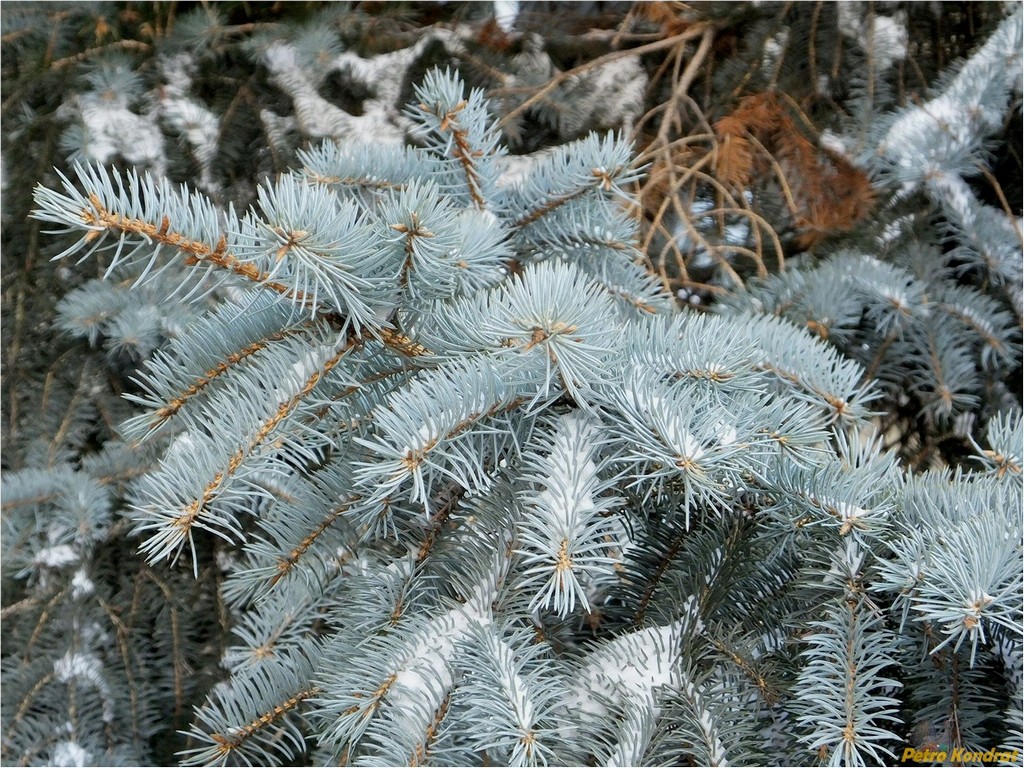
column 928, row 297
column 480, row 494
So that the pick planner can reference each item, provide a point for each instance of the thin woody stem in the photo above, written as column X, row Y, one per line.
column 185, row 520
column 658, row 45
column 602, row 180
column 164, row 413
column 193, row 511
column 200, row 252
column 464, row 153
column 549, row 206
column 286, row 564
column 227, row 744
column 196, row 251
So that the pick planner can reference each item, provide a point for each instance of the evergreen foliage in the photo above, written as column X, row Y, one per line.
column 422, row 465
column 928, row 304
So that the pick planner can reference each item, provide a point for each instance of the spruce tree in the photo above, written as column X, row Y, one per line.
column 432, row 469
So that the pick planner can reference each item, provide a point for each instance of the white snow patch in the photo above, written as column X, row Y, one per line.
column 69, row 753
column 94, row 635
column 426, row 674
column 568, row 495
column 85, row 667
column 225, row 560
column 200, row 129
column 516, row 169
column 631, row 668
column 77, row 665
column 55, row 557
column 381, row 121
column 885, row 37
column 773, row 47
column 834, row 143
column 110, row 128
column 505, row 13
column 688, row 445
column 889, row 41
column 925, row 138
column 81, row 585
column 851, row 13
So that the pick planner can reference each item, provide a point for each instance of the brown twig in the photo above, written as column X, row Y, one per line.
column 227, row 744
column 191, row 512
column 175, row 404
column 657, row 45
column 198, row 252
column 997, row 188
column 131, row 45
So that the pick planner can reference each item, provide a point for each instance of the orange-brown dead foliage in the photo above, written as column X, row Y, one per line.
column 827, row 193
